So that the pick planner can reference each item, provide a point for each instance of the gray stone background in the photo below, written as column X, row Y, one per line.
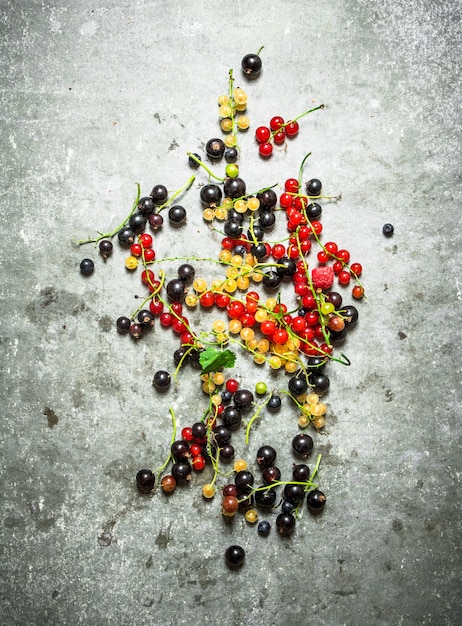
column 97, row 96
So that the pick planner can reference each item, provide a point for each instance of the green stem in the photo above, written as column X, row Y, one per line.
column 167, row 461
column 203, row 165
column 175, row 195
column 253, row 418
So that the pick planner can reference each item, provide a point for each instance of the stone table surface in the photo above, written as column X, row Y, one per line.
column 99, row 96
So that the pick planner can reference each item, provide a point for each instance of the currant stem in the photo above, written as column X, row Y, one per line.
column 175, row 195
column 167, row 461
column 203, row 165
column 116, row 230
column 253, row 418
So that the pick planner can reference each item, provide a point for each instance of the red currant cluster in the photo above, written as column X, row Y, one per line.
column 278, row 131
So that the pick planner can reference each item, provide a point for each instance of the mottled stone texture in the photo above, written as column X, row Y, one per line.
column 97, row 96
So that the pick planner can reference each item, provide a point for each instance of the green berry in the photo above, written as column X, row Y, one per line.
column 260, row 388
column 232, row 170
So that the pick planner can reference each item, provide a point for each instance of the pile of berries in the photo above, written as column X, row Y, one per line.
column 299, row 337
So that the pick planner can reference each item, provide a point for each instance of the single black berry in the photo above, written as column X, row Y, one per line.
column 145, row 481
column 388, row 230
column 235, row 556
column 302, row 444
column 87, row 267
column 161, row 380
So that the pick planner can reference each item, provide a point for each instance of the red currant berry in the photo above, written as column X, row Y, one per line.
column 146, row 240
column 222, row 300
column 186, row 433
column 136, row 249
column 268, row 327
column 292, row 129
column 356, row 269
column 309, row 302
column 301, row 289
column 304, row 233
column 147, row 276
column 298, row 324
column 235, row 309
column 279, row 137
column 207, row 299
column 337, row 267
column 343, row 255
column 177, row 307
column 156, row 307
column 276, row 122
column 331, row 247
column 262, row 134
column 198, row 463
column 305, row 246
column 357, row 292
column 291, row 185
column 344, row 277
column 166, row 319
column 280, row 336
column 232, row 385
column 265, row 149
column 247, row 320
column 293, row 252
column 285, row 200
column 322, row 257
column 148, row 255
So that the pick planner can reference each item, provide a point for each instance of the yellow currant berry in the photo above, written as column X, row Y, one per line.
column 275, row 362
column 224, row 110
column 216, row 285
column 208, row 491
column 236, row 260
column 250, row 259
column 225, row 256
column 312, row 398
column 259, row 359
column 234, row 327
column 257, row 277
column 240, row 206
column 271, row 303
column 221, row 213
column 232, row 272
column 240, row 465
column 218, row 326
column 291, row 366
column 191, row 300
column 303, row 421
column 243, row 283
column 230, row 141
column 208, row 386
column 218, row 378
column 216, row 399
column 230, row 285
column 319, row 422
column 131, row 263
column 261, row 315
column 252, row 343
column 223, row 99
column 200, row 285
column 226, row 126
column 208, row 215
column 263, row 346
column 240, row 96
column 243, row 122
column 247, row 334
column 253, row 204
column 251, row 516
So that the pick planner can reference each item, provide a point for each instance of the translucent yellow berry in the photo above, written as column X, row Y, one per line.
column 208, row 491
column 251, row 343
column 208, row 215
column 253, row 204
column 221, row 213
column 243, row 122
column 218, row 378
column 241, row 107
column 303, row 421
column 221, row 338
column 216, row 285
column 200, row 285
column 247, row 334
column 263, row 346
column 234, row 327
column 226, row 126
column 290, row 366
column 257, row 277
column 240, row 465
column 312, row 398
column 225, row 256
column 271, row 303
column 251, row 516
column 191, row 300
column 208, row 386
column 319, row 422
column 261, row 315
column 232, row 272
column 230, row 285
column 250, row 259
column 218, row 326
column 243, row 283
column 236, row 260
column 131, row 263
column 240, row 96
column 259, row 359
column 216, row 399
column 240, row 206
column 275, row 362
column 224, row 110
column 223, row 99
column 230, row 141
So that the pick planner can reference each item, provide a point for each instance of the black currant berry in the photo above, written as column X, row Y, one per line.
column 159, row 194
column 244, row 481
column 105, row 248
column 267, row 220
column 221, row 435
column 302, row 444
column 180, row 450
column 313, row 187
column 210, row 195
column 285, row 523
column 274, row 403
column 297, row 385
column 320, row 383
column 301, row 472
column 256, row 232
column 145, row 481
column 271, row 280
column 199, row 430
column 251, row 65
column 137, row 223
column 337, row 338
column 180, row 355
column 192, row 162
column 232, row 229
column 215, row 149
column 271, row 475
column 287, row 507
column 388, row 230
column 87, row 267
column 286, row 267
column 156, row 221
column 316, row 364
column 266, row 455
column 350, row 315
column 315, row 501
column 313, row 211
column 175, row 290
column 266, row 498
column 231, row 155
column 268, row 199
column 227, row 452
column 259, row 250
column 161, row 380
column 146, row 206
column 243, row 398
column 234, row 188
column 235, row 556
column 126, row 236
column 177, row 214
column 240, row 249
column 264, row 528
column 334, row 298
column 135, row 330
column 231, row 417
column 186, row 273
column 294, row 493
column 181, row 470
column 123, row 324
column 146, row 318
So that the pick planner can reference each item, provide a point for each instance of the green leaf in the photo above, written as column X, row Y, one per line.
column 213, row 360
